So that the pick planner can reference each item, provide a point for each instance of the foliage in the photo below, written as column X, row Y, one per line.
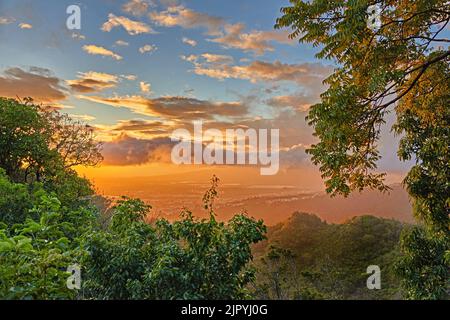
column 15, row 201
column 423, row 267
column 402, row 66
column 34, row 255
column 306, row 258
column 40, row 144
column 188, row 259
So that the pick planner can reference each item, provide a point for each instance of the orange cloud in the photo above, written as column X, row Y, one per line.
column 187, row 18
column 92, row 81
column 145, row 87
column 310, row 75
column 300, row 102
column 97, row 50
column 190, row 42
column 254, row 41
column 82, row 117
column 122, row 43
column 37, row 83
column 147, row 48
column 174, row 108
column 132, row 27
column 136, row 7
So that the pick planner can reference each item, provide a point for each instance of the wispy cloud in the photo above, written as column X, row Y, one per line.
column 255, row 41
column 6, row 20
column 190, row 42
column 187, row 18
column 92, row 81
column 132, row 27
column 300, row 102
column 82, row 117
column 122, row 43
column 25, row 26
column 78, row 36
column 147, row 48
column 173, row 107
column 217, row 58
column 38, row 83
column 228, row 35
column 130, row 77
column 137, row 7
column 97, row 50
column 304, row 73
column 145, row 87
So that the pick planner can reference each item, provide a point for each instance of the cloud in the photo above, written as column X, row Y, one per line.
column 217, row 58
column 97, row 50
column 190, row 42
column 145, row 87
column 300, row 102
column 209, row 59
column 37, row 83
column 82, row 117
column 228, row 35
column 139, row 141
column 132, row 27
column 294, row 155
column 122, row 43
column 130, row 77
column 137, row 128
column 142, row 126
column 254, row 41
column 305, row 74
column 92, row 81
column 6, row 20
column 78, row 36
column 147, row 48
column 126, row 150
column 173, row 108
column 137, row 7
column 25, row 26
column 187, row 18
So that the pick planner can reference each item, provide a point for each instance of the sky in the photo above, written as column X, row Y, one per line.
column 139, row 69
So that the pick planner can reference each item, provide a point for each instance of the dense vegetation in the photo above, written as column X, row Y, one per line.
column 48, row 222
column 306, row 258
column 402, row 66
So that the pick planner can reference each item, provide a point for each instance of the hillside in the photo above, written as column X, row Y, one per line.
column 314, row 259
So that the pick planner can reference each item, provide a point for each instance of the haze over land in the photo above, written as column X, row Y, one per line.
column 273, row 199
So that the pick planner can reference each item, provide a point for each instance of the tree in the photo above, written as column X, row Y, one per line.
column 306, row 258
column 35, row 254
column 186, row 259
column 74, row 140
column 23, row 139
column 38, row 143
column 15, row 201
column 278, row 275
column 402, row 66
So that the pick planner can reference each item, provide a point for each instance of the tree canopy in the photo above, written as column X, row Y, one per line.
column 401, row 67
